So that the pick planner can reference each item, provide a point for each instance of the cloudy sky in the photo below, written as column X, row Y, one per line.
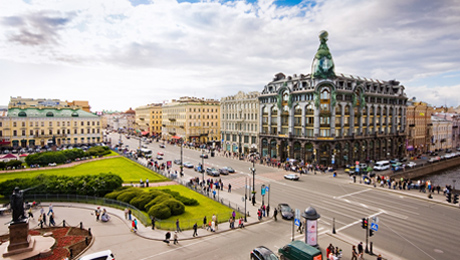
column 119, row 53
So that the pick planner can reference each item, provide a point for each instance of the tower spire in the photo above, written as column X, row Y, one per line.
column 323, row 65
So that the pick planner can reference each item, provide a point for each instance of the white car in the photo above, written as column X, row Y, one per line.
column 411, row 164
column 292, row 176
column 102, row 255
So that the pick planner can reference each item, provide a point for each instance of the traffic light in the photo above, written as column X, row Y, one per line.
column 455, row 199
column 449, row 197
column 364, row 223
column 371, row 232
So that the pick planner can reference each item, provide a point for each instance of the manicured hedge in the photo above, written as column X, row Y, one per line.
column 12, row 163
column 62, row 156
column 159, row 203
column 94, row 185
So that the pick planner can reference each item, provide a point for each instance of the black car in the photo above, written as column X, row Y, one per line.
column 230, row 170
column 262, row 253
column 205, row 156
column 223, row 171
column 285, row 211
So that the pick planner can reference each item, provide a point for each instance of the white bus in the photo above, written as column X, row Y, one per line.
column 382, row 165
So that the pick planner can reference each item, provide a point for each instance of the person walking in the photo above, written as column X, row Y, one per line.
column 52, row 223
column 129, row 214
column 167, row 237
column 178, row 226
column 126, row 213
column 354, row 253
column 30, row 214
column 241, row 223
column 360, row 251
column 275, row 213
column 205, row 222
column 195, row 227
column 175, row 238
column 98, row 213
column 229, row 188
column 268, row 210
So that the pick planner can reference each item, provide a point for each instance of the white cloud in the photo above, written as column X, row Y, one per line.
column 167, row 49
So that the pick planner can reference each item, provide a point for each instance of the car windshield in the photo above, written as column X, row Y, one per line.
column 271, row 257
column 285, row 208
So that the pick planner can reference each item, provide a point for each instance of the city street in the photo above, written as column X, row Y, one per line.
column 410, row 226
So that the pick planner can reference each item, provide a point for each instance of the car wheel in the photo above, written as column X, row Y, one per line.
column 282, row 257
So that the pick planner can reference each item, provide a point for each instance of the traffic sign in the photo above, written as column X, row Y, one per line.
column 374, row 226
column 297, row 222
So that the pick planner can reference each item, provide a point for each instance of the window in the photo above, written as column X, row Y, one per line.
column 23, row 124
column 50, row 124
column 23, row 133
column 50, row 132
column 31, row 132
column 14, row 124
column 15, row 133
column 82, row 131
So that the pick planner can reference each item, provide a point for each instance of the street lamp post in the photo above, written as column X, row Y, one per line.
column 181, row 159
column 239, row 146
column 202, row 164
column 253, row 169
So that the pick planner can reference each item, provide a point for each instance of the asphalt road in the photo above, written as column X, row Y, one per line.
column 409, row 227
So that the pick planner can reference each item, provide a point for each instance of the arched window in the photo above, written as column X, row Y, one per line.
column 49, row 114
column 22, row 114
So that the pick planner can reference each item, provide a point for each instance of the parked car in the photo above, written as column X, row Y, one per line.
column 162, row 146
column 434, row 159
column 448, row 150
column 262, row 253
column 161, row 153
column 159, row 157
column 205, row 156
column 292, row 176
column 393, row 161
column 177, row 161
column 285, row 211
column 223, row 171
column 299, row 250
column 188, row 165
column 411, row 164
column 103, row 255
column 230, row 170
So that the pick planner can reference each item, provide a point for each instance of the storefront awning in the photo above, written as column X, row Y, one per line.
column 145, row 133
column 175, row 137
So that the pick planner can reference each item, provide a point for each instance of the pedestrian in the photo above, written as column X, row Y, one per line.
column 259, row 214
column 98, row 213
column 30, row 215
column 175, row 238
column 213, row 226
column 126, row 213
column 379, row 257
column 129, row 214
column 229, row 187
column 205, row 222
column 263, row 210
column 329, row 250
column 354, row 253
column 147, row 182
column 52, row 223
column 195, row 233
column 44, row 218
column 178, row 226
column 275, row 213
column 153, row 222
column 167, row 237
column 268, row 210
column 233, row 214
column 360, row 251
column 241, row 223
column 133, row 227
column 50, row 209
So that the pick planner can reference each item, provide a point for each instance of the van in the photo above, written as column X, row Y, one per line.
column 102, row 255
column 382, row 165
column 298, row 250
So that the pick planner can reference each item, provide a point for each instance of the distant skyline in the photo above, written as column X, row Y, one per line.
column 118, row 54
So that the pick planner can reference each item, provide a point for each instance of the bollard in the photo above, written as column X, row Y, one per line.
column 371, row 245
column 89, row 231
column 63, row 223
column 81, row 225
column 86, row 241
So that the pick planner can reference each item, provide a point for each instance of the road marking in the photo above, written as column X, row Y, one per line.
column 351, row 194
column 364, row 205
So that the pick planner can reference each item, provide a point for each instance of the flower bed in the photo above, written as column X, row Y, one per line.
column 67, row 239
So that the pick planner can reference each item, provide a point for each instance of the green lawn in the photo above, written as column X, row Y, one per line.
column 129, row 171
column 196, row 214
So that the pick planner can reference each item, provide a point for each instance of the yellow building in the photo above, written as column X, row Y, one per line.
column 30, row 127
column 148, row 119
column 192, row 119
column 419, row 124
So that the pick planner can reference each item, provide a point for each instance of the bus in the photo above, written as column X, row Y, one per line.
column 382, row 165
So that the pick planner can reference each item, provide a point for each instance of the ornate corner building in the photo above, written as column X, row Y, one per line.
column 331, row 119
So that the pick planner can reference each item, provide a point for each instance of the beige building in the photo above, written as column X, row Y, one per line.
column 442, row 132
column 149, row 119
column 240, row 122
column 192, row 119
column 20, row 102
column 419, row 127
column 30, row 127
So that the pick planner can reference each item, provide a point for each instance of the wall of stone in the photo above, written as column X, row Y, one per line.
column 427, row 169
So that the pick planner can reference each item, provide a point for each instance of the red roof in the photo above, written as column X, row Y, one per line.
column 8, row 156
column 23, row 155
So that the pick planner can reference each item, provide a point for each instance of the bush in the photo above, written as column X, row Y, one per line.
column 160, row 211
column 184, row 200
column 98, row 151
column 175, row 206
column 2, row 165
column 158, row 200
column 14, row 163
column 114, row 194
column 128, row 195
column 55, row 157
column 140, row 201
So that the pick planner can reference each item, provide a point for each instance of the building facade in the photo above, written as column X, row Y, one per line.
column 331, row 119
column 30, row 127
column 419, row 127
column 442, row 132
column 20, row 102
column 149, row 119
column 240, row 122
column 193, row 119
